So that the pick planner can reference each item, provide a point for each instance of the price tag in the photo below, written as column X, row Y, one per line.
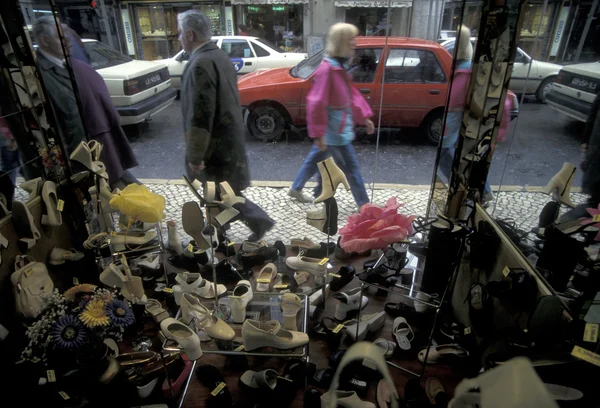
column 586, row 355
column 28, row 272
column 264, row 280
column 467, row 330
column 64, row 395
column 218, row 389
column 231, row 244
column 60, row 205
column 190, row 248
column 596, row 218
column 323, row 261
column 168, row 290
column 281, row 286
column 335, row 275
column 240, row 348
column 75, row 281
column 113, row 233
column 338, row 328
column 591, row 332
column 506, row 271
column 51, row 376
column 35, row 360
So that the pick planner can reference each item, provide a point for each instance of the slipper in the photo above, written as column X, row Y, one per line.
column 403, row 333
column 384, row 396
column 261, row 379
column 192, row 220
column 53, row 216
column 341, row 278
column 433, row 387
column 436, row 353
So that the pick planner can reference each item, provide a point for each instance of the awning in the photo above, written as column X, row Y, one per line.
column 246, row 2
column 373, row 3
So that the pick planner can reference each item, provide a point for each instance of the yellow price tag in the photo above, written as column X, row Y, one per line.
column 239, row 348
column 60, row 205
column 64, row 395
column 168, row 290
column 190, row 248
column 335, row 275
column 596, row 218
column 323, row 261
column 264, row 280
column 75, row 281
column 467, row 330
column 586, row 355
column 591, row 332
column 218, row 389
column 51, row 376
column 506, row 271
column 338, row 328
column 28, row 272
column 231, row 244
column 113, row 233
column 281, row 286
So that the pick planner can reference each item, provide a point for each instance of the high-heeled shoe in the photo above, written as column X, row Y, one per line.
column 290, row 306
column 173, row 241
column 83, row 155
column 196, row 314
column 560, row 184
column 241, row 296
column 192, row 220
column 184, row 336
column 95, row 149
column 331, row 176
column 24, row 225
column 53, row 216
column 105, row 196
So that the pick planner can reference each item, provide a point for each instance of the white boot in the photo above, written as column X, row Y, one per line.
column 331, row 176
column 560, row 184
column 173, row 241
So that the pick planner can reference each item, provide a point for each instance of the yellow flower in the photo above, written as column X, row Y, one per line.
column 71, row 293
column 94, row 314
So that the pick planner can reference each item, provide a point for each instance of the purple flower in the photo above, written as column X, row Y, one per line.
column 119, row 313
column 67, row 332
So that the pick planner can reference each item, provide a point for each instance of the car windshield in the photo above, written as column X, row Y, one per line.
column 269, row 45
column 306, row 68
column 102, row 56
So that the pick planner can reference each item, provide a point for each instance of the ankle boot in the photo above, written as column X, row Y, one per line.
column 331, row 176
column 560, row 184
column 173, row 241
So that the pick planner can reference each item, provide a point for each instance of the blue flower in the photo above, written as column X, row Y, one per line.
column 67, row 332
column 119, row 313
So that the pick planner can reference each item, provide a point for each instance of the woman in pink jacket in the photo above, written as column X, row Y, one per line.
column 334, row 106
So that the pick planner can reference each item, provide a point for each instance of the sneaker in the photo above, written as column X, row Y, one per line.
column 300, row 196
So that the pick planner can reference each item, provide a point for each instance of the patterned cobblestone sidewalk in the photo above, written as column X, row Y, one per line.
column 290, row 216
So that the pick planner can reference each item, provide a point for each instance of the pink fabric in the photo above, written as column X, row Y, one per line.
column 375, row 227
column 590, row 221
column 460, row 87
column 330, row 89
column 505, row 122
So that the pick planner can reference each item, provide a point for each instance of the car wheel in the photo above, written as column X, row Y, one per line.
column 266, row 123
column 432, row 127
column 544, row 89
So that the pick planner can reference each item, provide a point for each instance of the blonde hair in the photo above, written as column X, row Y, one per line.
column 465, row 48
column 339, row 36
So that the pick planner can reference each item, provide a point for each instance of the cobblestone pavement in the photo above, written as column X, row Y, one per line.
column 290, row 216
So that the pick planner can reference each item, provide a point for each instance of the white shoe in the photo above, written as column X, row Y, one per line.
column 265, row 277
column 349, row 301
column 173, row 241
column 53, row 217
column 207, row 290
column 148, row 261
column 270, row 334
column 241, row 296
column 290, row 306
column 305, row 243
column 331, row 176
column 345, row 399
column 184, row 336
column 300, row 196
column 560, row 184
column 58, row 256
column 123, row 240
column 192, row 221
column 105, row 196
column 368, row 323
column 33, row 187
column 304, row 263
column 187, row 282
column 24, row 225
column 83, row 155
column 194, row 313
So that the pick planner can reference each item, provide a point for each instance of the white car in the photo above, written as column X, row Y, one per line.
column 575, row 89
column 539, row 81
column 138, row 89
column 248, row 54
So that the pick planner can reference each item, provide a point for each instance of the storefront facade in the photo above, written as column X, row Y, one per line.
column 372, row 18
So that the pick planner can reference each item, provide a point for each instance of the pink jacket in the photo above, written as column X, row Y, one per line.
column 332, row 85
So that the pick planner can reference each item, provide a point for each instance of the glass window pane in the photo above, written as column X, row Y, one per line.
column 102, row 56
column 363, row 65
column 412, row 66
column 237, row 49
column 260, row 51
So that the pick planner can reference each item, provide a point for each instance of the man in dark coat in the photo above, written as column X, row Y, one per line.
column 212, row 117
column 100, row 118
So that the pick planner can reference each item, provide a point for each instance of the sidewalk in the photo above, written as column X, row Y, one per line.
column 290, row 216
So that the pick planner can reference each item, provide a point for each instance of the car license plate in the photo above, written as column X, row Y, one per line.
column 584, row 84
column 153, row 79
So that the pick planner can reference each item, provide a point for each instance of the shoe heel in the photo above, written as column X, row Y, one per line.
column 251, row 344
column 344, row 182
column 238, row 313
column 550, row 187
column 289, row 323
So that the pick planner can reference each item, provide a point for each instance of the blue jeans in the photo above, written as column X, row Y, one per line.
column 10, row 163
column 445, row 165
column 345, row 158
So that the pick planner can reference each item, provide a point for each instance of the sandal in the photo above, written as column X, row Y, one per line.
column 155, row 309
column 403, row 333
column 436, row 353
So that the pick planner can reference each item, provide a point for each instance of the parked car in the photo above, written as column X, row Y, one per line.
column 139, row 89
column 248, row 54
column 414, row 94
column 537, row 81
column 575, row 89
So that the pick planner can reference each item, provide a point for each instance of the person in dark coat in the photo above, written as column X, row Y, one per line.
column 100, row 118
column 212, row 117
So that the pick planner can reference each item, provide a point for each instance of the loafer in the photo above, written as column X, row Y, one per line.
column 257, row 257
column 58, row 256
column 239, row 299
column 304, row 263
column 196, row 314
column 270, row 334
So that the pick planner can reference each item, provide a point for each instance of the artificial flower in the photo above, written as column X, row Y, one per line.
column 94, row 314
column 120, row 313
column 72, row 293
column 591, row 222
column 67, row 333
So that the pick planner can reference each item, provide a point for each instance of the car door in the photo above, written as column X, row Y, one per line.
column 176, row 67
column 518, row 78
column 414, row 84
column 264, row 58
column 364, row 70
column 241, row 54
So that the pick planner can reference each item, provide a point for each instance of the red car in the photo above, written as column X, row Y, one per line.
column 415, row 77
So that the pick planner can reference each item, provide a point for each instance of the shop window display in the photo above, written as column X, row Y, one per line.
column 281, row 25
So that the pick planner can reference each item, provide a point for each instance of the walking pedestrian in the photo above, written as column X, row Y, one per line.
column 212, row 118
column 334, row 105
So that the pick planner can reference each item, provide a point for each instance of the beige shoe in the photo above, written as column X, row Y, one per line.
column 270, row 334
column 265, row 277
column 331, row 177
column 304, row 263
column 305, row 243
column 560, row 184
column 184, row 336
column 196, row 315
column 58, row 256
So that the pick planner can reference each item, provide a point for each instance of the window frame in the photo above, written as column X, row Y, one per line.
column 237, row 40
column 423, row 82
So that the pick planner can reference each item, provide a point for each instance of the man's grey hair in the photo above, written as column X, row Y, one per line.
column 43, row 26
column 196, row 21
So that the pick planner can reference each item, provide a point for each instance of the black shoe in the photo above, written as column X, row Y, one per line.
column 226, row 247
column 346, row 274
column 324, row 251
column 211, row 378
column 258, row 257
column 226, row 273
column 259, row 231
column 184, row 262
column 481, row 312
column 341, row 254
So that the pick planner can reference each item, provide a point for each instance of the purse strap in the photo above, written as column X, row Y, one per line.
column 361, row 351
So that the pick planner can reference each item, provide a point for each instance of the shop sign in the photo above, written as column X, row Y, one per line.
column 372, row 3
column 128, row 33
column 238, row 63
column 229, row 20
column 560, row 29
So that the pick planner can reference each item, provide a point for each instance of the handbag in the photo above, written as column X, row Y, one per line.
column 31, row 284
